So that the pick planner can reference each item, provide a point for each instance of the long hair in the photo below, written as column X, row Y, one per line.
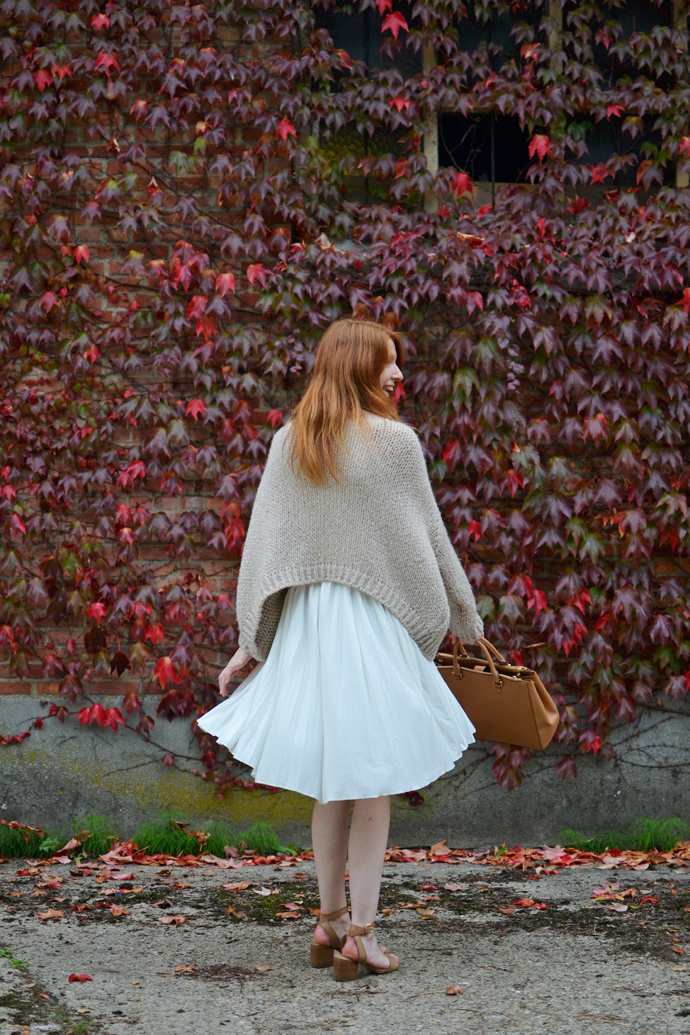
column 345, row 383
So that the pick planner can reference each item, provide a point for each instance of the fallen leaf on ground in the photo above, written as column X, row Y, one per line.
column 288, row 916
column 386, row 912
column 164, row 903
column 429, row 887
column 649, row 898
column 186, row 970
column 264, row 891
column 238, row 885
column 290, row 905
column 453, row 990
column 674, row 948
column 506, row 910
column 410, row 905
column 78, row 909
column 440, row 848
column 232, row 912
column 454, row 887
column 175, row 921
column 540, row 905
column 617, row 907
column 178, row 886
column 44, row 995
column 119, row 911
column 263, row 966
column 79, row 977
column 83, row 1009
column 31, row 871
column 50, row 914
column 426, row 912
column 523, row 903
column 317, row 912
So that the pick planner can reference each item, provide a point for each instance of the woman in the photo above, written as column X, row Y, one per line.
column 347, row 587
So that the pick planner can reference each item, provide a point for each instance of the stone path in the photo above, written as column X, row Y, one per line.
column 576, row 967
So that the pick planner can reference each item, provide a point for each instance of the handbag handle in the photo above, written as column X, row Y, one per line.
column 494, row 650
column 498, row 681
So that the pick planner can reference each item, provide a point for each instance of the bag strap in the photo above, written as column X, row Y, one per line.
column 496, row 653
column 498, row 682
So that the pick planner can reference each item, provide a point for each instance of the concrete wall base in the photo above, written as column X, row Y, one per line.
column 64, row 771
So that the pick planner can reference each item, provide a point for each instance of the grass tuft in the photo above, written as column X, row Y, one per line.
column 220, row 834
column 166, row 836
column 644, row 835
column 96, row 834
column 22, row 842
column 261, row 838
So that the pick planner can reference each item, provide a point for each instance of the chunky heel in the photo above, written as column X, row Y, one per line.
column 344, row 969
column 321, row 955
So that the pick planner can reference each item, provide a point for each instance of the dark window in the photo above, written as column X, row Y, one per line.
column 359, row 33
column 606, row 138
column 465, row 143
column 500, row 33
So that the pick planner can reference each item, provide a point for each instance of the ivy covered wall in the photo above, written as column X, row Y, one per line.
column 190, row 193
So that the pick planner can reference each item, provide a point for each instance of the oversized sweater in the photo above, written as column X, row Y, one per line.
column 378, row 530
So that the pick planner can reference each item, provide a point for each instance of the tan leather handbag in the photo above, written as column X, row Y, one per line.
column 505, row 703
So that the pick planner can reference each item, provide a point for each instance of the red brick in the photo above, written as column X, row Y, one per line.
column 19, row 688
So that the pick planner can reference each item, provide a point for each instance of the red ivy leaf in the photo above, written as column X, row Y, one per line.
column 224, row 283
column 165, row 671
column 461, row 184
column 395, row 22
column 42, row 78
column 257, row 271
column 81, row 252
column 541, row 146
column 384, row 5
column 97, row 611
column 107, row 61
column 79, row 977
column 286, row 129
column 197, row 408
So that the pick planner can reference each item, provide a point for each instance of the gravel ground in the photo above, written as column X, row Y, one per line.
column 576, row 967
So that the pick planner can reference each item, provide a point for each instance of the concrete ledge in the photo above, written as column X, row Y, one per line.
column 62, row 771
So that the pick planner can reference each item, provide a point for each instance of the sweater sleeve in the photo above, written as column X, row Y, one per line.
column 465, row 621
column 258, row 617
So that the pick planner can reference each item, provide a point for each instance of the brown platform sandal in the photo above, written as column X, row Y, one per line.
column 345, row 969
column 322, row 955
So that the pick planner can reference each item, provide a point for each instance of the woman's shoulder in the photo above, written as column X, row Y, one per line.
column 393, row 437
column 393, row 430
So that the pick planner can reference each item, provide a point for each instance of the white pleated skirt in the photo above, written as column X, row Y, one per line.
column 346, row 705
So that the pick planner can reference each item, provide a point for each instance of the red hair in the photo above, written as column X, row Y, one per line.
column 345, row 383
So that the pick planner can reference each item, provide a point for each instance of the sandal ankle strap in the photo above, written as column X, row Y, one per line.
column 354, row 931
column 333, row 916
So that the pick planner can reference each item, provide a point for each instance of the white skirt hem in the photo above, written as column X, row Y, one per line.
column 346, row 706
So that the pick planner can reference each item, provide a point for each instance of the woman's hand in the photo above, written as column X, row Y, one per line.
column 239, row 659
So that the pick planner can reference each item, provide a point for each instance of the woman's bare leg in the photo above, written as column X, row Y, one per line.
column 368, row 839
column 329, row 838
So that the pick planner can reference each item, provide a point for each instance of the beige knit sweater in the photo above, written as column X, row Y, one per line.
column 378, row 530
